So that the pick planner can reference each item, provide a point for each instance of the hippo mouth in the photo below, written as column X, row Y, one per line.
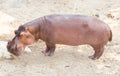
column 16, row 51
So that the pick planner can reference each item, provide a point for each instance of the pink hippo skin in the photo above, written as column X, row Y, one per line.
column 62, row 29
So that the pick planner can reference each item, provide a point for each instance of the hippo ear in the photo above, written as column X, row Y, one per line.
column 16, row 31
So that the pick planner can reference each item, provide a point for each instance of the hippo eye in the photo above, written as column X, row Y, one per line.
column 27, row 36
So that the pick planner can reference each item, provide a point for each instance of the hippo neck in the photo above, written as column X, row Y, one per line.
column 39, row 29
column 45, row 28
column 36, row 26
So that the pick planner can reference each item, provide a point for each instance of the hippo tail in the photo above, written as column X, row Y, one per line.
column 110, row 38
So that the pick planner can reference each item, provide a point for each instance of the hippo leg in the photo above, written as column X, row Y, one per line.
column 50, row 48
column 98, row 52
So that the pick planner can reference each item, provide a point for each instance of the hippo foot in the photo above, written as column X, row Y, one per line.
column 93, row 58
column 48, row 53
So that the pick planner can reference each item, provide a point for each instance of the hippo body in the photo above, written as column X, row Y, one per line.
column 69, row 30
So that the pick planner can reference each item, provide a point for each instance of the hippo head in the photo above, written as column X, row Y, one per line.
column 23, row 37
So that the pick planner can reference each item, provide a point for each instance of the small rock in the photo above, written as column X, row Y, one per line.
column 97, row 15
column 67, row 66
column 110, row 15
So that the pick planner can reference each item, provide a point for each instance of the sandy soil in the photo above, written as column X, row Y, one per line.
column 67, row 60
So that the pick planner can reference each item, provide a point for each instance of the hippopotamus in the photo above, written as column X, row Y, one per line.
column 55, row 29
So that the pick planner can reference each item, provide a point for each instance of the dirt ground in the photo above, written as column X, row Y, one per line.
column 67, row 60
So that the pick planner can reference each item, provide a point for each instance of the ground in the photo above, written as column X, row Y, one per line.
column 67, row 60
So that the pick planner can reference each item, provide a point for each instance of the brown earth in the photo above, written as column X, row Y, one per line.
column 67, row 60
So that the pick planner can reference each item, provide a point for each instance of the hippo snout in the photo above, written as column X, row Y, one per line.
column 12, row 49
